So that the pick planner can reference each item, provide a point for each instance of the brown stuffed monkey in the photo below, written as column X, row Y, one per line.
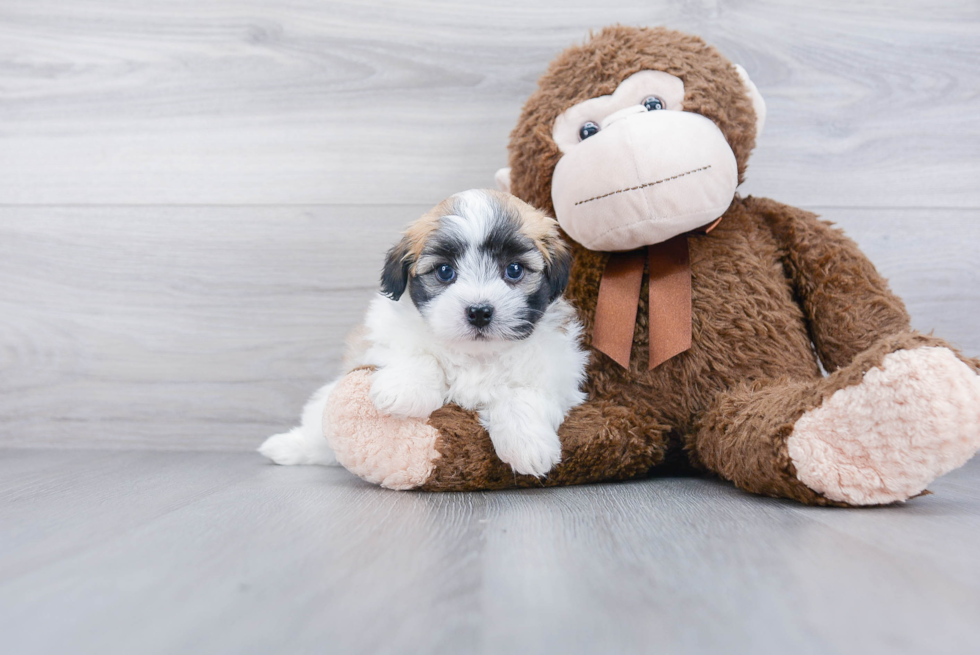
column 708, row 315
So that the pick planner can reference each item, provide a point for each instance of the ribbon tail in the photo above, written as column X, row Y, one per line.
column 615, row 310
column 670, row 299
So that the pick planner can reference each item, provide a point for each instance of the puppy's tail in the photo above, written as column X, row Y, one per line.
column 305, row 444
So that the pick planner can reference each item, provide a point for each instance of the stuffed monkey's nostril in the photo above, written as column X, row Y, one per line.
column 479, row 315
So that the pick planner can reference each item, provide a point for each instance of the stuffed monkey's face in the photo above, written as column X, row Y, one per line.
column 636, row 169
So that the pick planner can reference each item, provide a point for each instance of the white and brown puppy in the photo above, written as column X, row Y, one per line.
column 471, row 313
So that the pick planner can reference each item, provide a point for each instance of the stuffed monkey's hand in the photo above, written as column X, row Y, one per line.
column 394, row 452
column 400, row 453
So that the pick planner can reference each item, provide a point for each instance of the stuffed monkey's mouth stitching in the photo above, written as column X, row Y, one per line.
column 643, row 186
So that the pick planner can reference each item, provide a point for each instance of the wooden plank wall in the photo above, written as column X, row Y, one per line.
column 194, row 196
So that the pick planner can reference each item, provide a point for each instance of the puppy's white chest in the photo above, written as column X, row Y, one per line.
column 474, row 384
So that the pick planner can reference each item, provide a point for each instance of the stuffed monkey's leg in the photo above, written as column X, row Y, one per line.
column 876, row 431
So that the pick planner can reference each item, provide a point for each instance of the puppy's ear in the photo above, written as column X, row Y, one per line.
column 394, row 276
column 557, row 270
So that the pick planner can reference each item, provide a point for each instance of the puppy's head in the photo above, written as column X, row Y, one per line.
column 480, row 266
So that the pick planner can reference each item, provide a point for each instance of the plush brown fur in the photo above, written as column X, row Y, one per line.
column 775, row 293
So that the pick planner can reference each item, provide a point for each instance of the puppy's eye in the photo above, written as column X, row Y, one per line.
column 445, row 273
column 587, row 130
column 653, row 103
column 514, row 272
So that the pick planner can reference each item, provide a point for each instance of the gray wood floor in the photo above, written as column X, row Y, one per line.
column 150, row 552
column 194, row 199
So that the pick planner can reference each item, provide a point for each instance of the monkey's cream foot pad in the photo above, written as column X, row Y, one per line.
column 397, row 453
column 909, row 421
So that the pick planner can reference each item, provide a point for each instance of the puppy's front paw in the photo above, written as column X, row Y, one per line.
column 530, row 450
column 400, row 393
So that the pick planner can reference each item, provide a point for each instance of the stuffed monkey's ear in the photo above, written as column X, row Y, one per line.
column 758, row 104
column 398, row 264
column 558, row 269
column 503, row 180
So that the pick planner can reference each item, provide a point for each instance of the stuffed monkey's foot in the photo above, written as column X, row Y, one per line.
column 909, row 421
column 397, row 453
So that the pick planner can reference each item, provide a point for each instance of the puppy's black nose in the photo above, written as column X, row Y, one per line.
column 479, row 315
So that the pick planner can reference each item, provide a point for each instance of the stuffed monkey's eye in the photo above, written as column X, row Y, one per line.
column 653, row 103
column 445, row 273
column 588, row 130
column 514, row 272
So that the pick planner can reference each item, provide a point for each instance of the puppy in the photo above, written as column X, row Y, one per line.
column 470, row 312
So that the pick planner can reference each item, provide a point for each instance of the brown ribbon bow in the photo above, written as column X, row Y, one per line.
column 669, row 267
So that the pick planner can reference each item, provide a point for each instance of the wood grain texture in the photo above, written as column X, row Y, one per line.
column 194, row 202
column 163, row 284
column 207, row 327
column 221, row 553
column 187, row 327
column 303, row 101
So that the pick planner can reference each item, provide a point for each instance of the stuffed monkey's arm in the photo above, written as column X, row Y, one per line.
column 600, row 440
column 847, row 303
column 450, row 451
